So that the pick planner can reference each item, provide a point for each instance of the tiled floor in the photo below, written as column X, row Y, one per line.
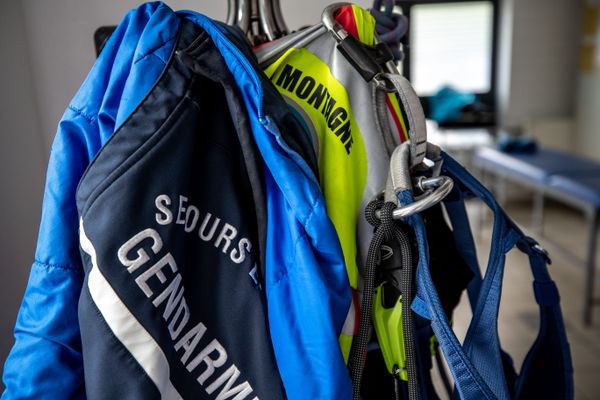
column 518, row 311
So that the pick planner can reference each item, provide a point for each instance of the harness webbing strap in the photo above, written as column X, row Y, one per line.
column 478, row 365
column 551, row 346
column 463, row 238
column 417, row 130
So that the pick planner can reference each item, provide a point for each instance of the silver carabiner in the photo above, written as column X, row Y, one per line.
column 339, row 34
column 435, row 190
column 331, row 24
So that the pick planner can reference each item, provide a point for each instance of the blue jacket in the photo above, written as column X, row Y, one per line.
column 306, row 284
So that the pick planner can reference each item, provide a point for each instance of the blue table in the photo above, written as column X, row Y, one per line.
column 562, row 176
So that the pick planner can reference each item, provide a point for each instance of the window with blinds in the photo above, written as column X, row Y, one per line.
column 451, row 45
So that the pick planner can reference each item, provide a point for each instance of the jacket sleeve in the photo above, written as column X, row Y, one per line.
column 46, row 359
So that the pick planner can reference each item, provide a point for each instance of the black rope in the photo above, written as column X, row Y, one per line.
column 406, row 288
column 359, row 345
column 385, row 229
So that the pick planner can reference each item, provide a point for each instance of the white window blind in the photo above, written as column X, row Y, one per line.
column 451, row 44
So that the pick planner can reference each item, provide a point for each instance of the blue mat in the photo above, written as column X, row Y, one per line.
column 572, row 175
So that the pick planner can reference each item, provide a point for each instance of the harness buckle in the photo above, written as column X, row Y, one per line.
column 529, row 245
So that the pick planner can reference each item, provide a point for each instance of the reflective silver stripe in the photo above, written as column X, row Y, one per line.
column 126, row 327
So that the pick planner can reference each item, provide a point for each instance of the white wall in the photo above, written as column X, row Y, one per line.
column 21, row 168
column 588, row 115
column 62, row 46
column 588, row 103
column 538, row 62
column 504, row 60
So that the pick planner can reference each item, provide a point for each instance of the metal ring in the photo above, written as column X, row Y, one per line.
column 431, row 197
